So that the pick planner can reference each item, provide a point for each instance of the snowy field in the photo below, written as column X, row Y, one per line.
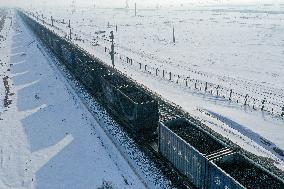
column 240, row 48
column 48, row 139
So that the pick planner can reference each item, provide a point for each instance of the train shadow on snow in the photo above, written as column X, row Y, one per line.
column 38, row 88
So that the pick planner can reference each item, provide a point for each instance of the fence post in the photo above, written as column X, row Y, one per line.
column 70, row 34
column 145, row 67
column 231, row 92
column 157, row 71
column 163, row 73
column 246, row 99
column 218, row 90
column 206, row 86
column 195, row 85
column 282, row 112
column 262, row 102
column 140, row 66
column 170, row 74
column 178, row 79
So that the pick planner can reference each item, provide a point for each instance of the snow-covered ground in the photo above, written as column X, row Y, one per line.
column 48, row 139
column 240, row 48
column 230, row 45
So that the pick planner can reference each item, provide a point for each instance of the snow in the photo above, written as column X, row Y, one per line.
column 237, row 47
column 226, row 42
column 48, row 138
column 141, row 163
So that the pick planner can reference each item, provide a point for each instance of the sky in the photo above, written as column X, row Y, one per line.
column 121, row 3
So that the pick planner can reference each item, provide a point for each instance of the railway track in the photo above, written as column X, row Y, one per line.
column 144, row 144
column 80, row 64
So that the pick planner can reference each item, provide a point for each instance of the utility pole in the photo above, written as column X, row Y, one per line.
column 51, row 21
column 135, row 9
column 73, row 6
column 112, row 48
column 70, row 35
column 174, row 37
column 126, row 4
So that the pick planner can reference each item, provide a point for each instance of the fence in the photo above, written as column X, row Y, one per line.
column 206, row 87
column 268, row 101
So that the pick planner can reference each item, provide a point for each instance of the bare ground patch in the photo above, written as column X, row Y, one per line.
column 7, row 101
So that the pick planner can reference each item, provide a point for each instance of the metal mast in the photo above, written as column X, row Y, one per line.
column 73, row 6
column 126, row 4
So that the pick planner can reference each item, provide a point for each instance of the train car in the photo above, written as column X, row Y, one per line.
column 185, row 145
column 129, row 101
column 197, row 154
column 219, row 179
column 237, row 171
column 208, row 163
column 67, row 53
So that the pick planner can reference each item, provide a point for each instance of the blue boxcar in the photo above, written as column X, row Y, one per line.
column 190, row 162
column 218, row 179
column 183, row 156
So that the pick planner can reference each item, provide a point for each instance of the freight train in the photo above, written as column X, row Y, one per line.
column 204, row 160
